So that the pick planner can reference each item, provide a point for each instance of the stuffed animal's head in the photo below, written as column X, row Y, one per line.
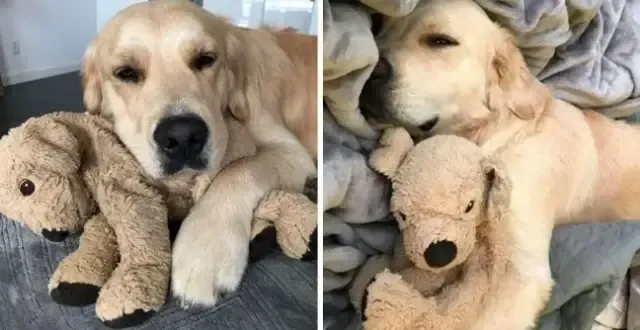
column 443, row 189
column 40, row 186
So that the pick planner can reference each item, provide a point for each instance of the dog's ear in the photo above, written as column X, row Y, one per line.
column 253, row 66
column 511, row 86
column 498, row 189
column 92, row 88
column 49, row 144
column 237, row 76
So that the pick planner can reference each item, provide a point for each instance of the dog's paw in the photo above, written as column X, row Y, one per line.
column 207, row 266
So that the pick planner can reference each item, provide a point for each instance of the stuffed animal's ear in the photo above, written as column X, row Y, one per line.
column 498, row 189
column 92, row 88
column 511, row 87
column 50, row 144
column 395, row 144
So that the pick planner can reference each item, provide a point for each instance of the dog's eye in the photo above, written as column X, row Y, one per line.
column 438, row 40
column 27, row 187
column 203, row 61
column 127, row 74
column 470, row 206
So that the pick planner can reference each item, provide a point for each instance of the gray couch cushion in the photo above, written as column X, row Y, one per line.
column 277, row 293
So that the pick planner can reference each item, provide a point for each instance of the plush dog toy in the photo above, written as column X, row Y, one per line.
column 451, row 203
column 65, row 172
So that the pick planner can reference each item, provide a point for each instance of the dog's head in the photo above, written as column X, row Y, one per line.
column 445, row 68
column 40, row 183
column 165, row 73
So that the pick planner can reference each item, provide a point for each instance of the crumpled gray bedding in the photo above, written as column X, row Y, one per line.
column 277, row 293
column 586, row 50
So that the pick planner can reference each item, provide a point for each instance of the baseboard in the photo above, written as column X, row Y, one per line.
column 38, row 74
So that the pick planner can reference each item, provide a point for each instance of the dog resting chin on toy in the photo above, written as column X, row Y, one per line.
column 64, row 173
column 451, row 203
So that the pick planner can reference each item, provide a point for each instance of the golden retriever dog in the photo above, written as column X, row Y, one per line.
column 168, row 73
column 447, row 68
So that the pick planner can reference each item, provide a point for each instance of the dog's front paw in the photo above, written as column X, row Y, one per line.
column 207, row 265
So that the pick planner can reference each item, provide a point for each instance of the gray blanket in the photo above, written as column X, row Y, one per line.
column 585, row 50
column 277, row 293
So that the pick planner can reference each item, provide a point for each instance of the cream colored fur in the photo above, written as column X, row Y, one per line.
column 566, row 165
column 264, row 78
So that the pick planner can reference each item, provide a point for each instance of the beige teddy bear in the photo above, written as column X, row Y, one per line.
column 451, row 203
column 64, row 172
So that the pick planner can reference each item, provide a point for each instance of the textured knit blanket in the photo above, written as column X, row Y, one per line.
column 586, row 50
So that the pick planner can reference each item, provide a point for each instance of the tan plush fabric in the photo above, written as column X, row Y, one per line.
column 75, row 167
column 444, row 189
column 293, row 215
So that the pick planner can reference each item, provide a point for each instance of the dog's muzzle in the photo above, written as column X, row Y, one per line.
column 374, row 96
column 181, row 140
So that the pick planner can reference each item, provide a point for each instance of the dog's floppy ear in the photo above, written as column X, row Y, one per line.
column 511, row 86
column 92, row 89
column 498, row 189
column 49, row 144
column 247, row 56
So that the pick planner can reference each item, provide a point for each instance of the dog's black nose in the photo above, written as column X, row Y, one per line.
column 440, row 254
column 382, row 71
column 181, row 137
column 55, row 235
column 429, row 124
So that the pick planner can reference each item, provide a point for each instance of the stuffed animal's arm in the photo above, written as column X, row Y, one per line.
column 393, row 303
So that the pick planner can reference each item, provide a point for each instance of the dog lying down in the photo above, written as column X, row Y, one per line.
column 447, row 68
column 168, row 73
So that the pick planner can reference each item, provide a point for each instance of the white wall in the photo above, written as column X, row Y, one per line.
column 105, row 9
column 253, row 13
column 52, row 34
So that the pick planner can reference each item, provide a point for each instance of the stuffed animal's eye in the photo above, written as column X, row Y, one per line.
column 438, row 40
column 401, row 216
column 202, row 62
column 469, row 206
column 128, row 74
column 27, row 188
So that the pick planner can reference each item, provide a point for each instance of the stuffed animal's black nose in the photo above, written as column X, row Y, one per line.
column 181, row 138
column 440, row 254
column 55, row 235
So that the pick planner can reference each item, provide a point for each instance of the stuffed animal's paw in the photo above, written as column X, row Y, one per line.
column 74, row 294
column 394, row 145
column 389, row 296
column 132, row 295
column 295, row 218
column 263, row 244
